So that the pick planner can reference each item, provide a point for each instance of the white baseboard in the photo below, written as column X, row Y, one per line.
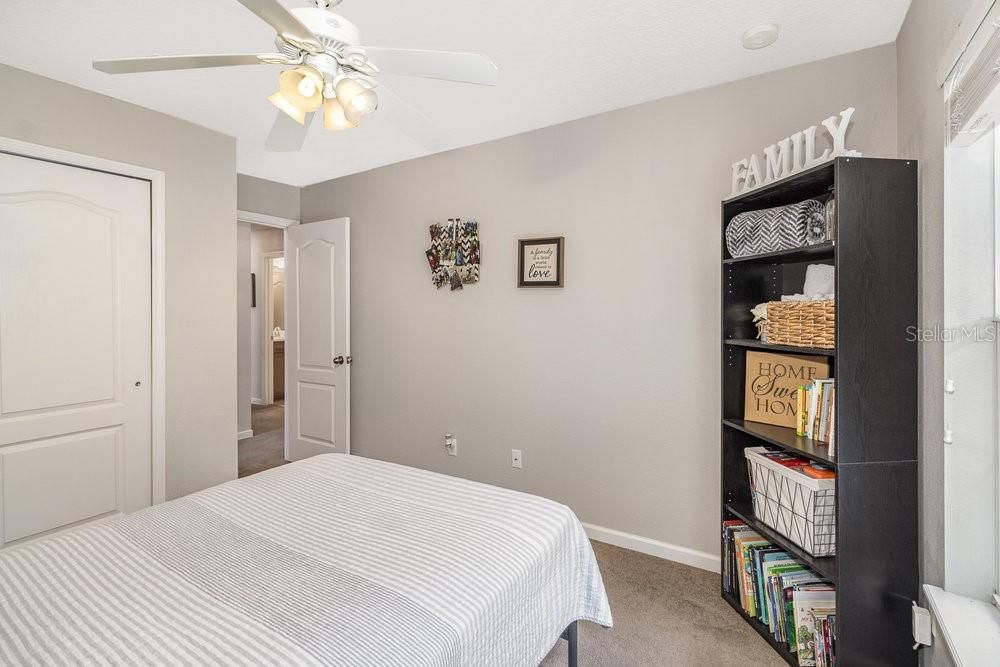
column 645, row 545
column 256, row 401
column 243, row 435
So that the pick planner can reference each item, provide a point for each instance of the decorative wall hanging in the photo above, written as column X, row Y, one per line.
column 792, row 155
column 454, row 253
column 540, row 262
column 772, row 381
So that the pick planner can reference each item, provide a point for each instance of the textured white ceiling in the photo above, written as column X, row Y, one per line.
column 559, row 60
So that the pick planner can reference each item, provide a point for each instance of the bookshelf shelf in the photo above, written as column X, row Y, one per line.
column 874, row 254
column 762, row 630
column 785, row 438
column 812, row 252
column 825, row 567
column 755, row 344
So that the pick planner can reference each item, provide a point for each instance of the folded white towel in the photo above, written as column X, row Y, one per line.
column 807, row 297
column 819, row 281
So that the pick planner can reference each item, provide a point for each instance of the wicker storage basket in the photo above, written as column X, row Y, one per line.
column 803, row 323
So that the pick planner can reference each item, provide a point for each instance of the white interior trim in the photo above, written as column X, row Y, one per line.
column 970, row 628
column 158, row 361
column 266, row 220
column 256, row 401
column 266, row 340
column 977, row 12
column 651, row 547
column 243, row 435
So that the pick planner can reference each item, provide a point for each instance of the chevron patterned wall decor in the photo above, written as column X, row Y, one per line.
column 454, row 253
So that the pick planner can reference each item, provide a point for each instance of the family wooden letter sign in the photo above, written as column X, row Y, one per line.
column 792, row 155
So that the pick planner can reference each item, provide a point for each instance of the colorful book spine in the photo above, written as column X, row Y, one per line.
column 801, row 409
column 796, row 605
column 813, row 404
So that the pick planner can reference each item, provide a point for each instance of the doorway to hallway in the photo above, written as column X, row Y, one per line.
column 266, row 449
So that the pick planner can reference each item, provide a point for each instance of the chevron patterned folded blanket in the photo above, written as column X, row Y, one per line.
column 773, row 229
column 335, row 560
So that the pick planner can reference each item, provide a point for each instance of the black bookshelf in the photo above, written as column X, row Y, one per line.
column 770, row 347
column 761, row 629
column 874, row 253
column 785, row 438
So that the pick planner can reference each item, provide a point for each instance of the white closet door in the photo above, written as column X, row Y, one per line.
column 75, row 440
column 317, row 339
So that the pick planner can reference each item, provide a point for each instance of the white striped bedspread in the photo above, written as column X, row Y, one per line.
column 336, row 560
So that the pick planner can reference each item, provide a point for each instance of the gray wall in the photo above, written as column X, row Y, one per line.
column 926, row 32
column 259, row 195
column 200, row 168
column 611, row 385
column 256, row 195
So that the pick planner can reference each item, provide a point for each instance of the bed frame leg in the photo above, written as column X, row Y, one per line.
column 569, row 634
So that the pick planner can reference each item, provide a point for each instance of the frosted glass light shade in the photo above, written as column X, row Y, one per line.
column 365, row 101
column 292, row 91
column 334, row 117
column 297, row 114
column 347, row 89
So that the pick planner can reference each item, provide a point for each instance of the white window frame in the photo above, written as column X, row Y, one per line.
column 969, row 627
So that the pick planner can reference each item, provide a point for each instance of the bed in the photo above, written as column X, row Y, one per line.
column 334, row 560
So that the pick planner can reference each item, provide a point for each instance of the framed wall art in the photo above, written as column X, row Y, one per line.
column 540, row 262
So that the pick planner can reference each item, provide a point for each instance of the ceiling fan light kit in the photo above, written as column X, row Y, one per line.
column 300, row 91
column 330, row 70
column 292, row 111
column 334, row 116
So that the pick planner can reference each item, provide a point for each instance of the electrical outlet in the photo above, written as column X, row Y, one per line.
column 515, row 458
column 450, row 444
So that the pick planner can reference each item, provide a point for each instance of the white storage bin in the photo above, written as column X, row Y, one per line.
column 802, row 508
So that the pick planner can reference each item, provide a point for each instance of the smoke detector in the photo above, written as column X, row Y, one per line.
column 759, row 36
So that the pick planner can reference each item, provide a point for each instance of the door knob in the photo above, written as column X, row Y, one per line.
column 338, row 360
column 350, row 360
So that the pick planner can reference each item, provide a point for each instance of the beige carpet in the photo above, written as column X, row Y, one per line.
column 665, row 614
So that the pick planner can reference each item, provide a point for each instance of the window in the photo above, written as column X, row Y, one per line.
column 971, row 317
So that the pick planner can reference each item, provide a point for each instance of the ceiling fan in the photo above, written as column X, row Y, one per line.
column 330, row 71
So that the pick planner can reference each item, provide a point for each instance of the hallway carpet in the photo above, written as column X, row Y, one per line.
column 665, row 613
column 266, row 449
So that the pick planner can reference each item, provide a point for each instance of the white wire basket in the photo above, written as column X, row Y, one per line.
column 802, row 508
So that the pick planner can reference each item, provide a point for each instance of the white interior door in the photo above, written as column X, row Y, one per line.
column 317, row 339
column 75, row 412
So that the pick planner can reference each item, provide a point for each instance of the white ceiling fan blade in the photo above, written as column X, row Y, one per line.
column 162, row 63
column 444, row 65
column 286, row 135
column 285, row 23
column 410, row 121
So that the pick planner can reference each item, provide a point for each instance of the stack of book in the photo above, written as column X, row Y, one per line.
column 797, row 605
column 795, row 463
column 815, row 411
